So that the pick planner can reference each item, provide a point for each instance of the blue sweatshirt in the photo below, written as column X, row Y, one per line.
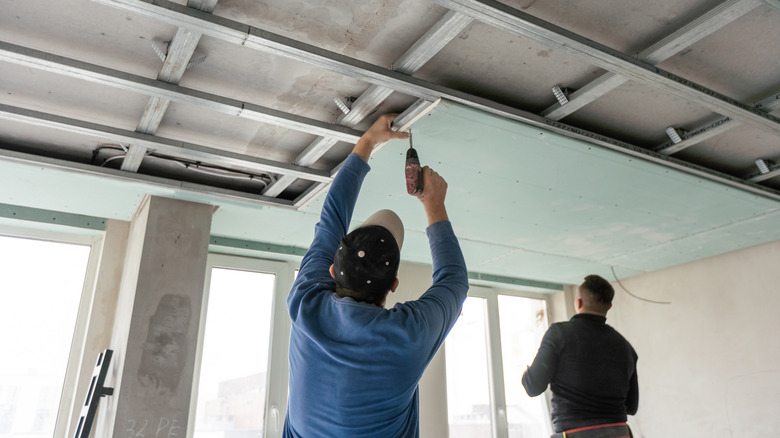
column 354, row 366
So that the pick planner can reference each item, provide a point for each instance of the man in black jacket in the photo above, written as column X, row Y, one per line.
column 590, row 367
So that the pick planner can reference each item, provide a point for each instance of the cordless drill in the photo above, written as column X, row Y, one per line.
column 413, row 171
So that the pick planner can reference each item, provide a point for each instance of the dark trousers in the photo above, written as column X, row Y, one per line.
column 620, row 430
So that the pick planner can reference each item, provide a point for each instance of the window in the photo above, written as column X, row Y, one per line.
column 468, row 390
column 495, row 338
column 235, row 358
column 41, row 285
column 523, row 322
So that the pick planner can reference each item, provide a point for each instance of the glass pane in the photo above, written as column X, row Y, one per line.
column 468, row 393
column 232, row 387
column 40, row 287
column 523, row 323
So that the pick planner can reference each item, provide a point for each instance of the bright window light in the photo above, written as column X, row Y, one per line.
column 468, row 390
column 523, row 323
column 41, row 284
column 234, row 364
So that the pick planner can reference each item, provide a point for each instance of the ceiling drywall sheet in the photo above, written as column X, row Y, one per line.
column 531, row 204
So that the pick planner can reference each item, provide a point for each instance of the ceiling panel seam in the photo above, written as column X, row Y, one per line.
column 519, row 23
column 697, row 234
column 512, row 250
column 699, row 28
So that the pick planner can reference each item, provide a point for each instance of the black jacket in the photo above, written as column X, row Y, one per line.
column 591, row 370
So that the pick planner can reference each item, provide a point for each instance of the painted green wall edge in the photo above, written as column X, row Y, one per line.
column 298, row 251
column 52, row 217
column 95, row 223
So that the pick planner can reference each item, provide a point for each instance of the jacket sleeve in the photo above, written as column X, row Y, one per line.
column 333, row 224
column 439, row 307
column 632, row 399
column 540, row 373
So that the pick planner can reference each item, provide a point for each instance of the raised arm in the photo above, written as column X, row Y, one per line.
column 337, row 212
column 440, row 306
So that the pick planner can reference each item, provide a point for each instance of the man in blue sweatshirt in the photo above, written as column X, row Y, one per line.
column 355, row 365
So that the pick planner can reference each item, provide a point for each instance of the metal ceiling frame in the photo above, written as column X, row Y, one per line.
column 265, row 41
column 438, row 36
column 258, row 39
column 524, row 25
column 175, row 148
column 694, row 31
column 180, row 50
column 138, row 84
column 705, row 132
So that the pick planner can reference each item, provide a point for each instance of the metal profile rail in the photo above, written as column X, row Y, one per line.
column 441, row 33
column 712, row 129
column 708, row 23
column 180, row 51
column 138, row 84
column 175, row 148
column 519, row 23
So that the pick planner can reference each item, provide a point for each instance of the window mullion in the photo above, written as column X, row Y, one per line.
column 496, row 370
column 278, row 373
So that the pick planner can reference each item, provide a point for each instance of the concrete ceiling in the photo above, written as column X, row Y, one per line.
column 564, row 190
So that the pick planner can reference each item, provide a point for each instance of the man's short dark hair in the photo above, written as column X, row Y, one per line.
column 602, row 292
column 366, row 263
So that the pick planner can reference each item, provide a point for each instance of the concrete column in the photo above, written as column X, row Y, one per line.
column 156, row 324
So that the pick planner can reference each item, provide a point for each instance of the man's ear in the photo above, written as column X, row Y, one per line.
column 332, row 272
column 610, row 306
column 395, row 285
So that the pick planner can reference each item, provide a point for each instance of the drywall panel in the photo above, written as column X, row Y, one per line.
column 529, row 203
column 707, row 361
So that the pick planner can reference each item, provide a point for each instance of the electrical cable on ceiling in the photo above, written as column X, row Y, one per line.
column 234, row 175
column 635, row 296
column 115, row 157
column 196, row 167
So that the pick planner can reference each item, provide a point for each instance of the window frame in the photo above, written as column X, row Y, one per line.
column 68, row 405
column 277, row 374
column 499, row 420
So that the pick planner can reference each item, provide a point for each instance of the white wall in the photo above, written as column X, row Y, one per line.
column 709, row 362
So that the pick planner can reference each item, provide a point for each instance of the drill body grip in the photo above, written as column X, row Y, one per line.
column 413, row 173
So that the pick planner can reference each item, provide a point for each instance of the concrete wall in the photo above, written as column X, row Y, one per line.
column 708, row 362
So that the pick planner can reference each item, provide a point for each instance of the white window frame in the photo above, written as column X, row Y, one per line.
column 499, row 422
column 68, row 404
column 277, row 375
